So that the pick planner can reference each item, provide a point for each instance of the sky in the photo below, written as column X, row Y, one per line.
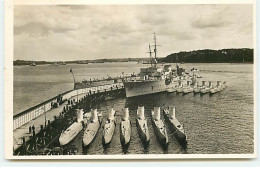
column 87, row 32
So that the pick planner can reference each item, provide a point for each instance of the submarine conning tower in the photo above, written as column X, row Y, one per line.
column 157, row 113
column 79, row 114
column 94, row 115
column 140, row 112
column 218, row 83
column 111, row 114
column 126, row 114
column 172, row 112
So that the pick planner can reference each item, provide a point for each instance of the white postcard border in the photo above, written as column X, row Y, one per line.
column 8, row 83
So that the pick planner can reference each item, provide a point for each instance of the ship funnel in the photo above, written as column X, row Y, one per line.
column 157, row 113
column 94, row 115
column 140, row 112
column 218, row 83
column 126, row 114
column 112, row 114
column 203, row 83
column 172, row 112
column 79, row 114
column 188, row 83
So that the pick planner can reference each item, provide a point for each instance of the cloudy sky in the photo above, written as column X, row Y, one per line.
column 120, row 31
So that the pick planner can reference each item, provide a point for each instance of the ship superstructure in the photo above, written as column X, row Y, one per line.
column 153, row 79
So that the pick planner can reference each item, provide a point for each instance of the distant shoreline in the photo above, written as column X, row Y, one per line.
column 17, row 65
column 244, row 55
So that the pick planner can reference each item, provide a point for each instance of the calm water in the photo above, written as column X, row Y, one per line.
column 219, row 124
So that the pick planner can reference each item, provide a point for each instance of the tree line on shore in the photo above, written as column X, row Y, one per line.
column 244, row 55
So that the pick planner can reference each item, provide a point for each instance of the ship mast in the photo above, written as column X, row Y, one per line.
column 155, row 49
column 150, row 52
column 155, row 46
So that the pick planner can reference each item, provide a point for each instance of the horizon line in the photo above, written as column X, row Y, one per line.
column 128, row 57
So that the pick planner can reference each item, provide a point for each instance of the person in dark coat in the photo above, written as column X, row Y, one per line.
column 33, row 128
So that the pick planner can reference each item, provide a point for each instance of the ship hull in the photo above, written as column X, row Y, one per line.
column 180, row 136
column 145, row 87
column 143, row 134
column 70, row 133
column 213, row 90
column 160, row 132
column 90, row 133
column 196, row 90
column 188, row 90
column 170, row 90
column 125, row 132
column 179, row 89
column 108, row 132
column 204, row 91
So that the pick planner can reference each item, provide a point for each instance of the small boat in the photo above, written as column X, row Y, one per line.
column 125, row 128
column 204, row 89
column 159, row 127
column 92, row 128
column 69, row 134
column 196, row 88
column 109, row 127
column 142, row 126
column 33, row 64
column 224, row 85
column 219, row 86
column 213, row 89
column 175, row 125
column 187, row 89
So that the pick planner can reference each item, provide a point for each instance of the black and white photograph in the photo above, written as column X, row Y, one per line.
column 131, row 81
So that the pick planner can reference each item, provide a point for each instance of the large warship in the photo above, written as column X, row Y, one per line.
column 154, row 79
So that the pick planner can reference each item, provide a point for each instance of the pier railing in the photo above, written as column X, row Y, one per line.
column 34, row 112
